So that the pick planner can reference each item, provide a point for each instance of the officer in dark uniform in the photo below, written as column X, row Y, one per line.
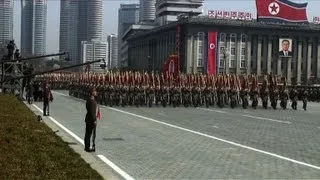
column 91, row 120
column 47, row 97
column 294, row 98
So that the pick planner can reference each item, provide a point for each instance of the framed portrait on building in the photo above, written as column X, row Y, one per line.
column 285, row 47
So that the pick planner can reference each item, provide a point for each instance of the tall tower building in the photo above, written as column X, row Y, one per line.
column 33, row 27
column 68, row 38
column 40, row 27
column 112, row 51
column 27, row 26
column 147, row 10
column 128, row 14
column 168, row 10
column 94, row 19
column 79, row 21
column 6, row 20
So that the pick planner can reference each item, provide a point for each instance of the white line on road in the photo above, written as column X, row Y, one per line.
column 102, row 157
column 116, row 168
column 213, row 110
column 219, row 139
column 61, row 94
column 268, row 119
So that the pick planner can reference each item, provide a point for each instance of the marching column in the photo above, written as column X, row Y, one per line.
column 309, row 60
column 259, row 55
column 299, row 61
column 269, row 59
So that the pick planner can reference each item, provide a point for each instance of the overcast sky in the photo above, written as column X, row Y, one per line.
column 111, row 15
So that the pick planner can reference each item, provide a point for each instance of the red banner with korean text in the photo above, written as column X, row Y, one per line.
column 212, row 52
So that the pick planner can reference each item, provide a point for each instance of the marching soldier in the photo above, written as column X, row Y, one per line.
column 294, row 98
column 284, row 96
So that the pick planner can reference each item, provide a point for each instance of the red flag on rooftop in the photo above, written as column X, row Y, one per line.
column 281, row 11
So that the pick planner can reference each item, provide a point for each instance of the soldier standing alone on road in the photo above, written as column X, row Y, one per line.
column 47, row 96
column 91, row 119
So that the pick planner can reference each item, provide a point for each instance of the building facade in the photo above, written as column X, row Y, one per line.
column 79, row 21
column 6, row 20
column 94, row 50
column 112, row 51
column 147, row 12
column 168, row 10
column 243, row 47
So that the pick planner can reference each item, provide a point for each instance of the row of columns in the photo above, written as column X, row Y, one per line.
column 303, row 64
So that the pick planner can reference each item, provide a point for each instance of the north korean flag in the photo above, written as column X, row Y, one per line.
column 281, row 11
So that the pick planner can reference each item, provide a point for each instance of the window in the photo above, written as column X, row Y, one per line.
column 221, row 63
column 222, row 37
column 233, row 37
column 233, row 51
column 200, row 62
column 243, row 51
column 232, row 62
column 242, row 64
column 243, row 38
column 222, row 50
column 200, row 49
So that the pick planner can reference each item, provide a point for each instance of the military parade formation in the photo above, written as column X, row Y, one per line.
column 141, row 89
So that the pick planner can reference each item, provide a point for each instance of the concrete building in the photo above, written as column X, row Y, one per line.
column 248, row 47
column 6, row 20
column 112, row 51
column 168, row 10
column 128, row 14
column 94, row 50
column 79, row 21
column 147, row 10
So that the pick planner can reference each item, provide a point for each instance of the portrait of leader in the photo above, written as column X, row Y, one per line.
column 285, row 47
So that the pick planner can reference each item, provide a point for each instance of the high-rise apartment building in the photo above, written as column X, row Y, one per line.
column 27, row 26
column 33, row 27
column 112, row 51
column 79, row 21
column 94, row 50
column 68, row 39
column 168, row 10
column 128, row 15
column 6, row 20
column 40, row 27
column 147, row 10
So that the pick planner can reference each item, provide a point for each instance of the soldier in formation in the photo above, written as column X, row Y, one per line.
column 148, row 89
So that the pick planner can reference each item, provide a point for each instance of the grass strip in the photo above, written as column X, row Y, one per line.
column 31, row 150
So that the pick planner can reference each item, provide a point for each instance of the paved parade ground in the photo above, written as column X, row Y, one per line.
column 199, row 143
